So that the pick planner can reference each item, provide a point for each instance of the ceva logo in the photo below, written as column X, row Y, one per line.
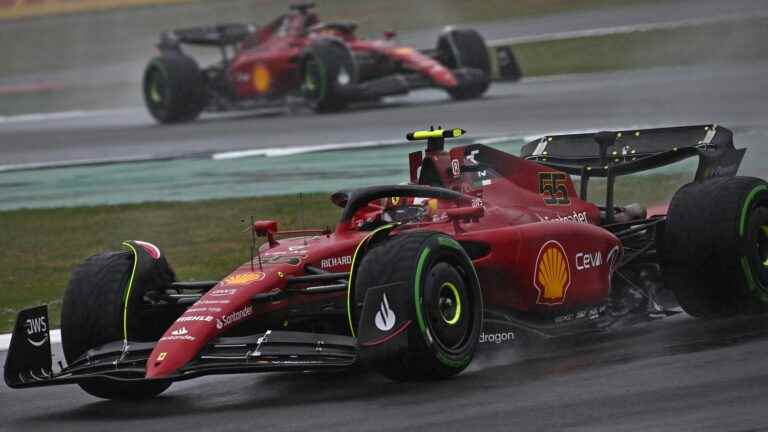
column 385, row 317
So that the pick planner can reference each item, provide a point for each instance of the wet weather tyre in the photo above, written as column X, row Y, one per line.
column 716, row 246
column 92, row 315
column 328, row 70
column 174, row 90
column 465, row 51
column 443, row 289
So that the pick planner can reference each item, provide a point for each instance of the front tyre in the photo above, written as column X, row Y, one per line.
column 440, row 282
column 465, row 52
column 328, row 68
column 92, row 315
column 174, row 90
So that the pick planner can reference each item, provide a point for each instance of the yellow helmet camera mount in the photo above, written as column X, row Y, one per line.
column 435, row 137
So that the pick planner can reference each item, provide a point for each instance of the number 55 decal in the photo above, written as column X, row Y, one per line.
column 552, row 187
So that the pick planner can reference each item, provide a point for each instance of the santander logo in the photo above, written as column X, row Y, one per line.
column 385, row 317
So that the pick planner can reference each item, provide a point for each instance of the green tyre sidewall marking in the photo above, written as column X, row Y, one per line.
column 417, row 299
column 749, row 278
column 128, row 290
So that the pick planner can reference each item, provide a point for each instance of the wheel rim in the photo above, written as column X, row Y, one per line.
column 449, row 303
column 762, row 245
column 157, row 91
column 445, row 299
column 314, row 79
column 755, row 258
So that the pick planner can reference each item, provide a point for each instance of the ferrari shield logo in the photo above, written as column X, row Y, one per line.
column 552, row 275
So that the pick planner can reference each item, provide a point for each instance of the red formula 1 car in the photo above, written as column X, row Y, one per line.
column 479, row 247
column 325, row 64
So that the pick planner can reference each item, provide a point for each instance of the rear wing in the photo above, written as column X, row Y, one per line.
column 617, row 153
column 220, row 36
column 630, row 151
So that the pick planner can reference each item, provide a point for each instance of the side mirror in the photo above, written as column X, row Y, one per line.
column 266, row 228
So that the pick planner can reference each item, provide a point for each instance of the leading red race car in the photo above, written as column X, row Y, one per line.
column 325, row 64
column 480, row 246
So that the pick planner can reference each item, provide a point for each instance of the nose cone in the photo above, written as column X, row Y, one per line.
column 162, row 364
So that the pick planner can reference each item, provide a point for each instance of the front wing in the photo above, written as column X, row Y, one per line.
column 28, row 363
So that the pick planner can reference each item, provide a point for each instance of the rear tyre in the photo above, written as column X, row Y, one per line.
column 327, row 69
column 446, row 297
column 465, row 51
column 174, row 90
column 716, row 246
column 92, row 315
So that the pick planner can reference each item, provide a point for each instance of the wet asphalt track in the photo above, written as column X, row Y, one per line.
column 732, row 95
column 674, row 374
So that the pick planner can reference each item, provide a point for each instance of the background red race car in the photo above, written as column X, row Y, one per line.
column 325, row 64
column 480, row 246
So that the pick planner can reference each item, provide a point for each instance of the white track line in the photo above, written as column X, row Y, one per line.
column 282, row 151
column 80, row 162
column 5, row 339
column 64, row 115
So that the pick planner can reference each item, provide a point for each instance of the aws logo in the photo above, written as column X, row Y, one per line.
column 552, row 275
column 37, row 331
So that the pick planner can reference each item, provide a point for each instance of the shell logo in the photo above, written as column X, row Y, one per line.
column 553, row 274
column 261, row 79
column 243, row 278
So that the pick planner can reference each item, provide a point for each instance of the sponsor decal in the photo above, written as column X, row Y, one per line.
column 221, row 293
column 234, row 317
column 178, row 338
column 576, row 217
column 395, row 201
column 262, row 79
column 207, row 302
column 455, row 168
column 471, row 156
column 243, row 278
column 151, row 249
column 279, row 259
column 161, row 356
column 385, row 318
column 553, row 188
column 195, row 318
column 588, row 260
column 179, row 334
column 336, row 261
column 552, row 273
column 37, row 331
column 496, row 338
column 343, row 78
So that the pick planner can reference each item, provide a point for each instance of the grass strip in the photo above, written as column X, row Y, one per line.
column 733, row 41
